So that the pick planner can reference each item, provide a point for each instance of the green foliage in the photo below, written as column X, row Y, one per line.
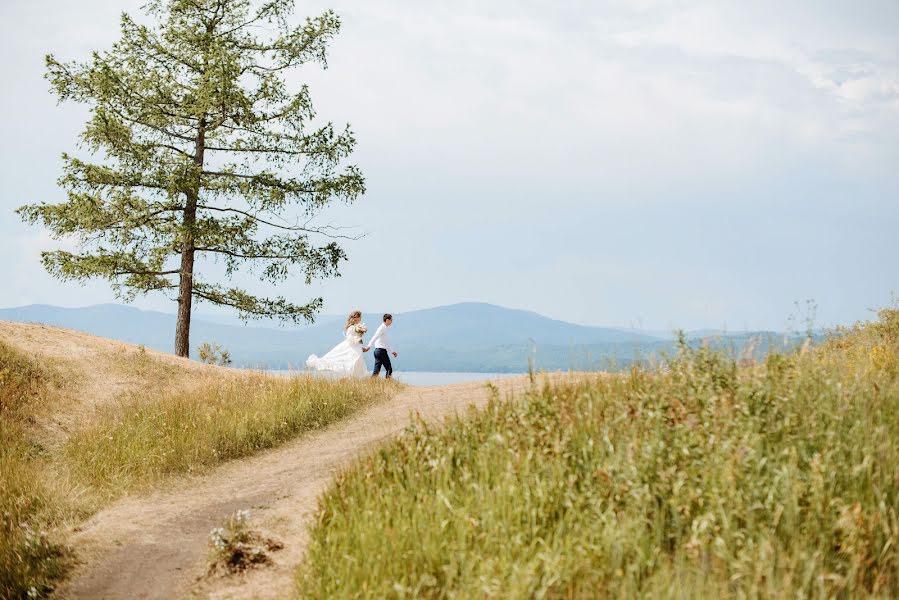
column 143, row 440
column 700, row 479
column 214, row 354
column 202, row 149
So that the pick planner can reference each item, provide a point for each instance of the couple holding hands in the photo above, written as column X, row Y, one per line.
column 346, row 357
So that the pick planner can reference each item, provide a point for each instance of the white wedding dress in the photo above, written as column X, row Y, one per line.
column 345, row 358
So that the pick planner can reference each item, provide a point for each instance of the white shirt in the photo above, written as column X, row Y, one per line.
column 380, row 339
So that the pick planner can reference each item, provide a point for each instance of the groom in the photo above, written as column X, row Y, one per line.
column 381, row 343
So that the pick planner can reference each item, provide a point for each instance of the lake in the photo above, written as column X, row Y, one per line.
column 431, row 378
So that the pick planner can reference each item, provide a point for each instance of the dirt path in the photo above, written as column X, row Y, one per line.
column 154, row 546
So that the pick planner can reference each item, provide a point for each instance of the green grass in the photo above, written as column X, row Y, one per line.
column 699, row 479
column 142, row 440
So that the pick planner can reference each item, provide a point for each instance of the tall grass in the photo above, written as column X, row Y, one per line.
column 31, row 557
column 22, row 383
column 700, row 479
column 144, row 439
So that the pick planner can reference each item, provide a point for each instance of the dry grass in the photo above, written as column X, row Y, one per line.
column 32, row 557
column 145, row 438
column 697, row 480
column 89, row 373
column 33, row 501
column 84, row 420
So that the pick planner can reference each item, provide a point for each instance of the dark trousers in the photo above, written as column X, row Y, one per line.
column 382, row 357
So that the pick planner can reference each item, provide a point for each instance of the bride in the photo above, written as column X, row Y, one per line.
column 346, row 357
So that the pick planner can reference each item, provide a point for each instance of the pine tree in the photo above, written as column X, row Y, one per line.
column 201, row 149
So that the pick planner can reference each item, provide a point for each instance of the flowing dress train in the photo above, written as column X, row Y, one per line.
column 345, row 358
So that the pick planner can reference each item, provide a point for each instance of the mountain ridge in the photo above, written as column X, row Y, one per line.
column 466, row 336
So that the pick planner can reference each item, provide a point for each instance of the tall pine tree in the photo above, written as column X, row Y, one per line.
column 201, row 150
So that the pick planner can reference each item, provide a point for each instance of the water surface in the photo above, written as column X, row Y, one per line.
column 428, row 377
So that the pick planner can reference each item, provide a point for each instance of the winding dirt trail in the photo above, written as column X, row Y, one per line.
column 155, row 545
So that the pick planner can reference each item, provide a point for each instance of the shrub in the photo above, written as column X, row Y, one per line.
column 234, row 547
column 214, row 354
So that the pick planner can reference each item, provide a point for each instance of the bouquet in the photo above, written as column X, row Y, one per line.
column 360, row 329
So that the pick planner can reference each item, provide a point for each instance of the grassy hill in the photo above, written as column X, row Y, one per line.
column 707, row 478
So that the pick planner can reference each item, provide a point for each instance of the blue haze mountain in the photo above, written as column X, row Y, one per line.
column 471, row 337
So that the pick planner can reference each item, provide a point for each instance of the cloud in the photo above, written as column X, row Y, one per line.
column 641, row 142
column 666, row 87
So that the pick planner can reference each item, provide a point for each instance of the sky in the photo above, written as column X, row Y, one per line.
column 641, row 163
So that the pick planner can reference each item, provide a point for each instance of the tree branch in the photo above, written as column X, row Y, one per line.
column 316, row 230
column 154, row 273
column 247, row 256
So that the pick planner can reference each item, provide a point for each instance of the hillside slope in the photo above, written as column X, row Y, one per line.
column 96, row 371
column 707, row 478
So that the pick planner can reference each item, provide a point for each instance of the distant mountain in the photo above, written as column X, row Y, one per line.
column 233, row 320
column 474, row 337
column 475, row 325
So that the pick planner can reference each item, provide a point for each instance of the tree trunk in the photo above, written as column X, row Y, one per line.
column 188, row 249
column 185, row 291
